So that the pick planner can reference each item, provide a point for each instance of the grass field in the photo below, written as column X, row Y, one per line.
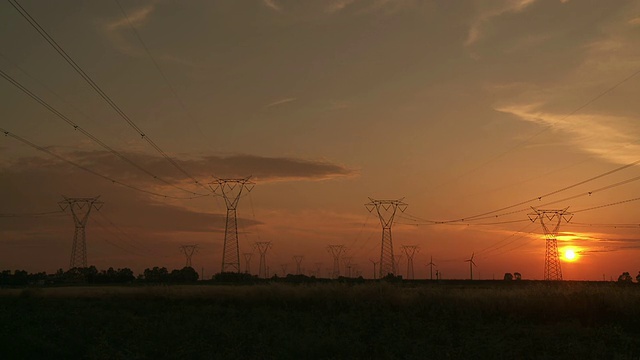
column 526, row 320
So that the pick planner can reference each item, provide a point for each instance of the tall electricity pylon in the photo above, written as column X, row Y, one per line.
column 552, row 270
column 410, row 251
column 247, row 262
column 188, row 251
column 284, row 269
column 386, row 212
column 230, row 190
column 336, row 251
column 397, row 261
column 431, row 265
column 262, row 247
column 298, row 259
column 80, row 209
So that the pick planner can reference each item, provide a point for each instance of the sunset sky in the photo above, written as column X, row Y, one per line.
column 459, row 107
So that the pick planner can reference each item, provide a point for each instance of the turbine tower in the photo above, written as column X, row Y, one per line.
column 386, row 210
column 375, row 263
column 298, row 260
column 410, row 251
column 552, row 270
column 336, row 251
column 230, row 190
column 262, row 247
column 188, row 251
column 471, row 265
column 431, row 265
column 80, row 209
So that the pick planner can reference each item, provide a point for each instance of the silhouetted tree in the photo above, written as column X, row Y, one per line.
column 517, row 276
column 638, row 277
column 186, row 274
column 508, row 277
column 625, row 278
column 156, row 275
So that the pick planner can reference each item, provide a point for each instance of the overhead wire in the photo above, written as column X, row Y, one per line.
column 25, row 14
column 93, row 138
column 39, row 214
column 84, row 168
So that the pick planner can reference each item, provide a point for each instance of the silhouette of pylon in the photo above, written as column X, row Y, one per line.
column 247, row 262
column 386, row 210
column 262, row 247
column 410, row 251
column 552, row 269
column 188, row 251
column 336, row 251
column 80, row 209
column 230, row 190
column 298, row 259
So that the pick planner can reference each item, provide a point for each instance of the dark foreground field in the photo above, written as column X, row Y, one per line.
column 327, row 321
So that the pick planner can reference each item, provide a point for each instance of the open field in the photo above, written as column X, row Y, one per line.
column 331, row 320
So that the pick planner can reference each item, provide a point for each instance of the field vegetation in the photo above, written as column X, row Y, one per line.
column 330, row 320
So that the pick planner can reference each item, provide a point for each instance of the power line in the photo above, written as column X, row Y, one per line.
column 114, row 181
column 15, row 215
column 97, row 88
column 76, row 127
column 164, row 76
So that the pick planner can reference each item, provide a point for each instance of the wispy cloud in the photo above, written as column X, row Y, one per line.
column 485, row 16
column 116, row 29
column 337, row 6
column 272, row 4
column 612, row 138
column 280, row 102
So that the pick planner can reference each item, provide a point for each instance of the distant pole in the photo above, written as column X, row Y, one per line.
column 247, row 262
column 80, row 209
column 386, row 210
column 230, row 190
column 262, row 247
column 336, row 251
column 298, row 259
column 398, row 259
column 347, row 264
column 318, row 269
column 552, row 270
column 410, row 251
column 284, row 269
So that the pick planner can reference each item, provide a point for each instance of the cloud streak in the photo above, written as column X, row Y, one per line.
column 280, row 102
column 486, row 16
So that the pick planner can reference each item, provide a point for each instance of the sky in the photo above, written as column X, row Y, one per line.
column 459, row 108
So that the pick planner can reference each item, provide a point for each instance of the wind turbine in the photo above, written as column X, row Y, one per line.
column 471, row 265
column 431, row 265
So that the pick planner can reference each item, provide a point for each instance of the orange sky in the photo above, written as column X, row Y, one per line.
column 460, row 108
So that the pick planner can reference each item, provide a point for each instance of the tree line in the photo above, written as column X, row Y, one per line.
column 91, row 275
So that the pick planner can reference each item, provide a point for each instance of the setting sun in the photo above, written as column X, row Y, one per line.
column 570, row 255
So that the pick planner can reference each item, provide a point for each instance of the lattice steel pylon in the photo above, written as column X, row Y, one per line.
column 410, row 251
column 336, row 251
column 231, row 190
column 298, row 259
column 188, row 251
column 80, row 209
column 386, row 212
column 247, row 262
column 262, row 247
column 552, row 269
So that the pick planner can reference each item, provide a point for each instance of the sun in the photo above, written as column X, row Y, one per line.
column 570, row 255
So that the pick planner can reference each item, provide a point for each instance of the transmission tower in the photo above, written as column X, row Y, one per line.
column 386, row 212
column 80, row 209
column 284, row 269
column 188, row 251
column 336, row 251
column 262, row 247
column 298, row 259
column 410, row 251
column 247, row 262
column 552, row 270
column 431, row 265
column 230, row 190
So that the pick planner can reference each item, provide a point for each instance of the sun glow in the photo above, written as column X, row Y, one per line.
column 570, row 255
